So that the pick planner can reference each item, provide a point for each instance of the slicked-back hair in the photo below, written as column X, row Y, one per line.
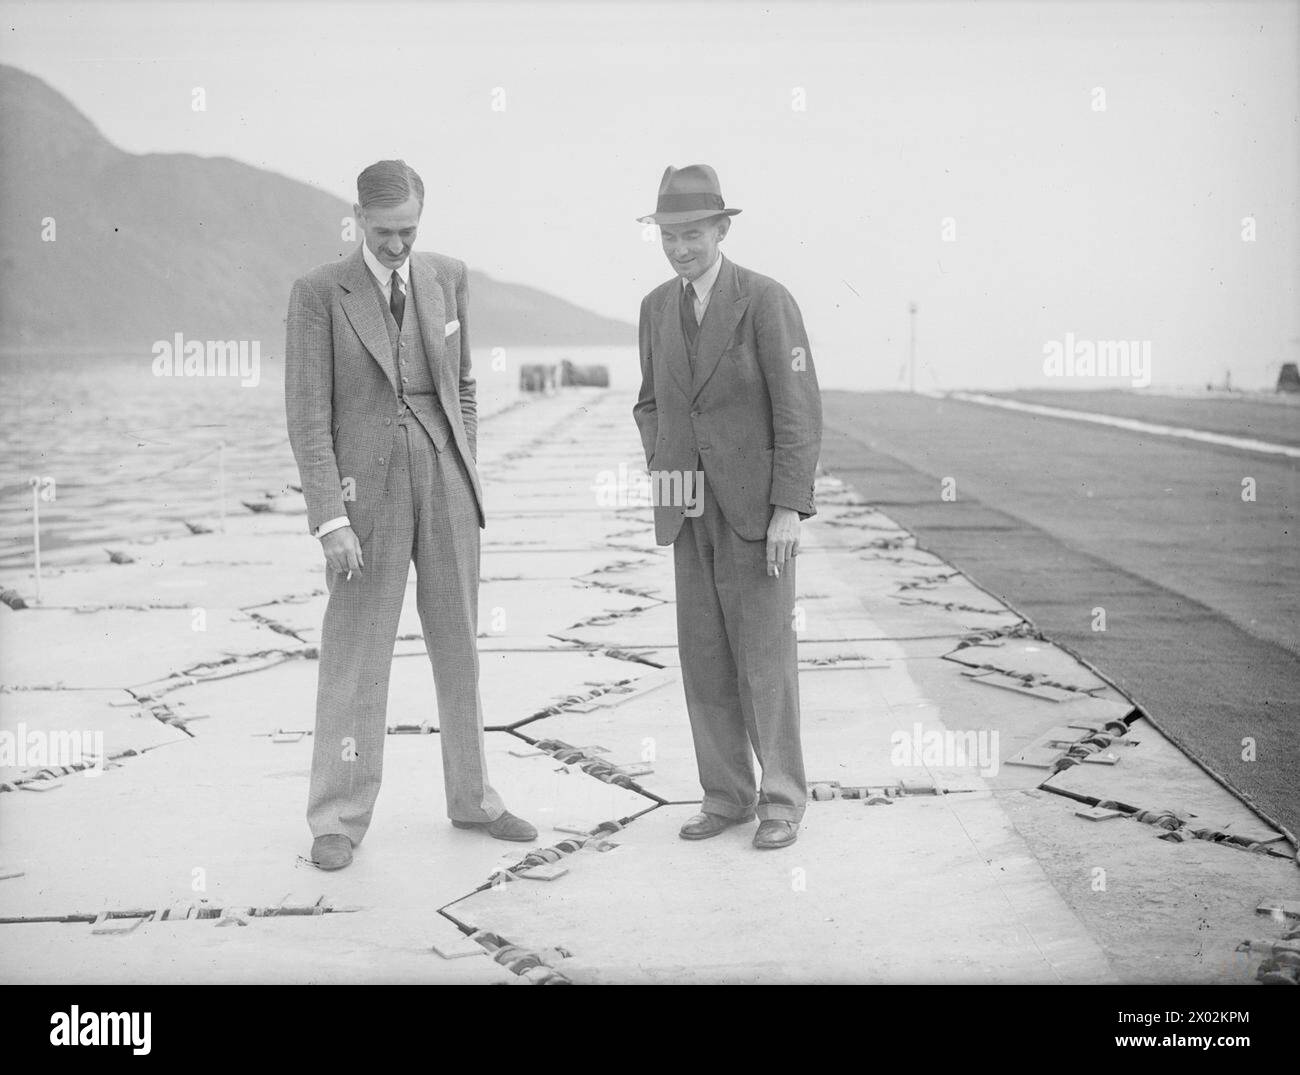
column 387, row 183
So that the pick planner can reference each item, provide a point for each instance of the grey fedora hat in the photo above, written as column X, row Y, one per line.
column 686, row 194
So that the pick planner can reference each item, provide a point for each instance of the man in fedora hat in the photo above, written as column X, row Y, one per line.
column 383, row 423
column 730, row 418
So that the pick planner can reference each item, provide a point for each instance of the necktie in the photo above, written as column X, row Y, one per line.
column 688, row 313
column 396, row 300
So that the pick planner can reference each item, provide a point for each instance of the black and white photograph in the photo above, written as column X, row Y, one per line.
column 650, row 494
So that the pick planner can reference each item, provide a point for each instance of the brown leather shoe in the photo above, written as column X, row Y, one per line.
column 332, row 851
column 505, row 827
column 772, row 834
column 704, row 825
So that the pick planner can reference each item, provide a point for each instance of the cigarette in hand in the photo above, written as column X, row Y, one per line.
column 349, row 578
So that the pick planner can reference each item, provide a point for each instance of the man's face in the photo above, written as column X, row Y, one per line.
column 390, row 229
column 691, row 248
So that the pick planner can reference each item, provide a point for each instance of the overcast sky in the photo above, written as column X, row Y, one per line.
column 1114, row 223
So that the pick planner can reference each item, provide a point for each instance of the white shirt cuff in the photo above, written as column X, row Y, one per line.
column 333, row 524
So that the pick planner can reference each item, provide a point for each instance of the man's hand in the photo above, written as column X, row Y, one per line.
column 782, row 539
column 343, row 550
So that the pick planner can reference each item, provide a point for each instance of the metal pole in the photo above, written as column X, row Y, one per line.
column 36, row 532
column 911, row 362
column 221, row 483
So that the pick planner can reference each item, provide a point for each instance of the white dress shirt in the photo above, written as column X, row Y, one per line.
column 384, row 275
column 704, row 286
column 384, row 278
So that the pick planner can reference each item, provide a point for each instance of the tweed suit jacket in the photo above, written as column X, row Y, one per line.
column 750, row 414
column 341, row 393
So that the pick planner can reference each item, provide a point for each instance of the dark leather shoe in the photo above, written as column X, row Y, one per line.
column 772, row 834
column 332, row 851
column 505, row 827
column 704, row 825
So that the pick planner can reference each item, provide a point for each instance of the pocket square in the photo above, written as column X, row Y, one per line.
column 452, row 326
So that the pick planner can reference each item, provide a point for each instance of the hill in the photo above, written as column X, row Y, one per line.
column 153, row 244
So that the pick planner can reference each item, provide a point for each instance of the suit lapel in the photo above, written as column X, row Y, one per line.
column 672, row 340
column 431, row 312
column 365, row 313
column 726, row 307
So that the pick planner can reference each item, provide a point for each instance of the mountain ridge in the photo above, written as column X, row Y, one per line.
column 157, row 243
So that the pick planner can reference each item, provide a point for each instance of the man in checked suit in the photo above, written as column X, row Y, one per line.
column 731, row 420
column 383, row 423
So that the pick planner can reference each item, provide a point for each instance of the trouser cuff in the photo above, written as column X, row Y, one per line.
column 779, row 812
column 724, row 808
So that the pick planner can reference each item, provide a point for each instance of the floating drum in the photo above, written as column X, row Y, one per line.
column 583, row 376
column 537, row 377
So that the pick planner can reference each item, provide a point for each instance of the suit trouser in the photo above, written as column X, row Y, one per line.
column 428, row 514
column 736, row 638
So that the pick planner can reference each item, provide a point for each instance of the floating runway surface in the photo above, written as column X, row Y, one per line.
column 1187, row 549
column 952, row 752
